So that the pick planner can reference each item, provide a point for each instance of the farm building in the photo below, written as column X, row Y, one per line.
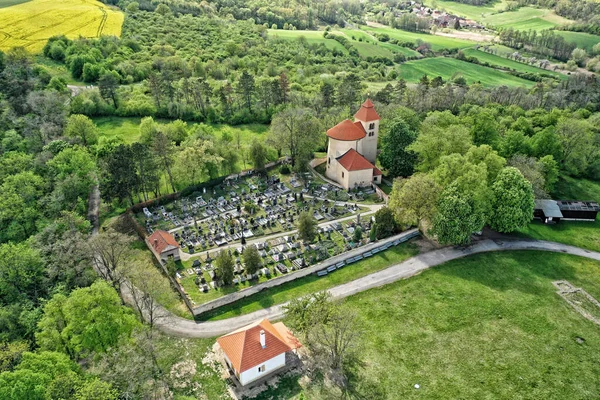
column 352, row 149
column 257, row 350
column 552, row 211
column 164, row 245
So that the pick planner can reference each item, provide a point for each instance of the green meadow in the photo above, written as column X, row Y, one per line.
column 583, row 40
column 508, row 63
column 489, row 326
column 447, row 68
column 437, row 42
column 525, row 18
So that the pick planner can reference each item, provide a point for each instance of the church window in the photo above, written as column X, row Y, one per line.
column 372, row 125
column 329, row 160
column 342, row 174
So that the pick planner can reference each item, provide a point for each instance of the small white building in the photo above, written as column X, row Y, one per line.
column 257, row 350
column 164, row 245
column 352, row 149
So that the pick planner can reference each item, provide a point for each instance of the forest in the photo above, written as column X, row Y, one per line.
column 453, row 149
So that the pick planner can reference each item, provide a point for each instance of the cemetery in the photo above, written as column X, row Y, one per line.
column 281, row 255
column 241, row 209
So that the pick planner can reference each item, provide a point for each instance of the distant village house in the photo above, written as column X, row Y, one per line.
column 164, row 245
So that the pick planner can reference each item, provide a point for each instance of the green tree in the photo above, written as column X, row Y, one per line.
column 549, row 169
column 246, row 88
column 307, row 226
column 22, row 274
column 82, row 127
column 224, row 267
column 108, row 84
column 258, row 154
column 296, row 130
column 357, row 236
column 19, row 207
column 512, row 201
column 394, row 155
column 95, row 389
column 252, row 259
column 436, row 141
column 457, row 217
column 385, row 224
column 414, row 200
column 90, row 320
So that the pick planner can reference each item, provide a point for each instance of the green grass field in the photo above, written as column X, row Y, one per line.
column 313, row 283
column 8, row 3
column 312, row 37
column 412, row 71
column 467, row 10
column 580, row 234
column 583, row 40
column 525, row 18
column 489, row 326
column 368, row 43
column 505, row 62
column 437, row 42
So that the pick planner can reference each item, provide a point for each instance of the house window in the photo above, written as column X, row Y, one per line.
column 342, row 174
column 262, row 368
column 372, row 125
column 329, row 161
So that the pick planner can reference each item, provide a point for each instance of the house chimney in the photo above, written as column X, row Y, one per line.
column 263, row 341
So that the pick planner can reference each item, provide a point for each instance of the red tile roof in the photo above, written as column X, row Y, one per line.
column 162, row 241
column 376, row 171
column 353, row 161
column 347, row 130
column 367, row 112
column 243, row 348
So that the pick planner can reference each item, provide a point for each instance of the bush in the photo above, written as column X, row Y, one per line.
column 285, row 169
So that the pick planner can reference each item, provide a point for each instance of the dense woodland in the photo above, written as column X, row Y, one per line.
column 459, row 149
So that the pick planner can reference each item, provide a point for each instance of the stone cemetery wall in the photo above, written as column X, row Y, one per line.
column 347, row 257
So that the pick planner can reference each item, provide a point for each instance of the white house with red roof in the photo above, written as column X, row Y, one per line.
column 164, row 245
column 352, row 149
column 257, row 350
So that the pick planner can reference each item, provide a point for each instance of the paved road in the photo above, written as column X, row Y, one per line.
column 177, row 326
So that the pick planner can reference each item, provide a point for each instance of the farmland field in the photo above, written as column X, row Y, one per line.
column 505, row 62
column 365, row 47
column 584, row 40
column 412, row 71
column 437, row 42
column 525, row 18
column 467, row 10
column 8, row 3
column 32, row 23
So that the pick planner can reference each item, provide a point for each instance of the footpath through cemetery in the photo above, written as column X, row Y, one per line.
column 261, row 211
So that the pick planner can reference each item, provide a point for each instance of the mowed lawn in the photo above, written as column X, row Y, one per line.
column 576, row 233
column 412, row 71
column 508, row 63
column 584, row 40
column 312, row 283
column 312, row 37
column 490, row 326
column 30, row 24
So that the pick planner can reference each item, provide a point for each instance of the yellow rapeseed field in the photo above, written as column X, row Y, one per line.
column 31, row 24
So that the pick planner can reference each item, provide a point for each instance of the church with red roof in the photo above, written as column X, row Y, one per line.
column 352, row 149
